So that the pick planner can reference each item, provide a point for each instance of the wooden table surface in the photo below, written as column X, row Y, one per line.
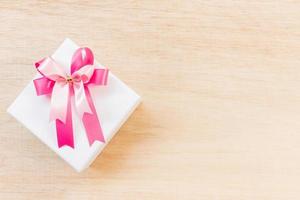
column 220, row 82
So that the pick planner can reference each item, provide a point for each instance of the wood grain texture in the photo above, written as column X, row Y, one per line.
column 220, row 81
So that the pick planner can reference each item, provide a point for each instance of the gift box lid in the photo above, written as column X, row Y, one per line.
column 114, row 103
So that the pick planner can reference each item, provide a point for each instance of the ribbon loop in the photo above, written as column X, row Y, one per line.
column 43, row 86
column 61, row 86
column 50, row 69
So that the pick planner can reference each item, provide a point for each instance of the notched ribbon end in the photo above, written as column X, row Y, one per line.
column 99, row 139
column 67, row 145
column 64, row 133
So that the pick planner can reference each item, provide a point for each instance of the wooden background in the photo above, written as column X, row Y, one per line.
column 220, row 81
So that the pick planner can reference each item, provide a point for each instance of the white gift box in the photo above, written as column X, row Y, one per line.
column 114, row 103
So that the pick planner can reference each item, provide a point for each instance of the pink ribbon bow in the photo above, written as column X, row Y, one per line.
column 62, row 85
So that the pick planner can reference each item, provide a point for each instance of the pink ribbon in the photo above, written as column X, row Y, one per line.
column 62, row 85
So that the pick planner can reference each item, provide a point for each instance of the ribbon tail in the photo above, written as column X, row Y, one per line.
column 91, row 122
column 64, row 131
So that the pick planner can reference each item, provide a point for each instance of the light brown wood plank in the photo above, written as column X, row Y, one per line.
column 220, row 82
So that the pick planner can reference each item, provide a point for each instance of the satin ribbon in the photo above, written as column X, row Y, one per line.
column 61, row 85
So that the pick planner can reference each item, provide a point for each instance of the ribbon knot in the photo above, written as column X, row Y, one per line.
column 62, row 85
column 69, row 79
